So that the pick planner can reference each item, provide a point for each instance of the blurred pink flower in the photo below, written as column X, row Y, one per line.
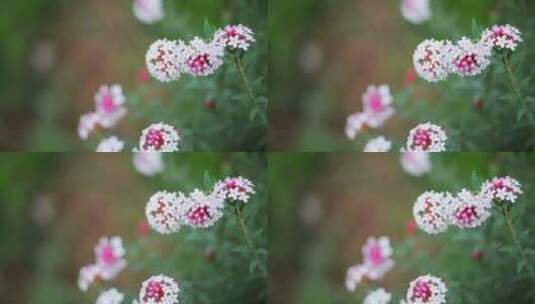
column 109, row 104
column 416, row 11
column 148, row 163
column 148, row 11
column 109, row 253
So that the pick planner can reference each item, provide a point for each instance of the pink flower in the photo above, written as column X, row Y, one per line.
column 159, row 137
column 502, row 189
column 416, row 11
column 148, row 163
column 502, row 37
column 377, row 102
column 202, row 58
column 148, row 11
column 377, row 254
column 469, row 58
column 159, row 289
column 469, row 210
column 202, row 210
column 88, row 122
column 427, row 290
column 109, row 253
column 235, row 37
column 109, row 105
column 235, row 188
column 416, row 163
column 427, row 137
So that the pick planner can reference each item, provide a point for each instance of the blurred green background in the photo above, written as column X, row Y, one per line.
column 55, row 54
column 55, row 207
column 323, row 207
column 323, row 55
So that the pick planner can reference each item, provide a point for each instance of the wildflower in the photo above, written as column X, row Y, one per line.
column 378, row 144
column 469, row 58
column 148, row 163
column 431, row 211
column 109, row 254
column 164, row 59
column 159, row 289
column 88, row 122
column 378, row 296
column 356, row 123
column 235, row 37
column 416, row 11
column 202, row 58
column 427, row 290
column 502, row 189
column 110, row 296
column 148, row 11
column 109, row 104
column 377, row 254
column 430, row 60
column 163, row 211
column 159, row 137
column 427, row 137
column 355, row 274
column 110, row 144
column 502, row 37
column 416, row 163
column 87, row 276
column 377, row 102
column 469, row 210
column 202, row 210
column 235, row 188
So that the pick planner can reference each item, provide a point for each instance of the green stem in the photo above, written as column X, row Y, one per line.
column 512, row 231
column 516, row 89
column 245, row 233
column 243, row 78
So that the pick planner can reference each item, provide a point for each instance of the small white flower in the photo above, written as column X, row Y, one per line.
column 109, row 253
column 502, row 37
column 416, row 163
column 416, row 11
column 427, row 137
column 164, row 59
column 235, row 188
column 355, row 274
column 502, row 188
column 355, row 124
column 202, row 210
column 235, row 37
column 159, row 289
column 469, row 58
column 159, row 137
column 87, row 276
column 163, row 211
column 200, row 58
column 148, row 11
column 148, row 163
column 431, row 59
column 110, row 144
column 109, row 104
column 470, row 210
column 378, row 144
column 378, row 296
column 88, row 122
column 110, row 296
column 427, row 290
column 432, row 211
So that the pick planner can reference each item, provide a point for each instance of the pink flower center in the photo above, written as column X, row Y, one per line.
column 376, row 255
column 233, row 185
column 199, row 215
column 108, row 255
column 500, row 185
column 466, row 215
column 107, row 103
column 375, row 102
column 422, row 139
column 421, row 291
column 154, row 291
column 467, row 63
column 199, row 63
column 154, row 138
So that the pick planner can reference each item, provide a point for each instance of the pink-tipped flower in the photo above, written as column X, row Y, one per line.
column 377, row 103
column 110, row 144
column 235, row 189
column 378, row 144
column 470, row 210
column 469, row 58
column 109, row 253
column 355, row 275
column 431, row 211
column 502, row 37
column 159, row 289
column 431, row 60
column 159, row 137
column 427, row 290
column 235, row 37
column 355, row 124
column 416, row 11
column 377, row 296
column 202, row 58
column 427, row 137
column 416, row 163
column 377, row 254
column 164, row 59
column 88, row 122
column 162, row 211
column 502, row 189
column 148, row 163
column 148, row 11
column 110, row 296
column 109, row 104
column 87, row 276
column 202, row 210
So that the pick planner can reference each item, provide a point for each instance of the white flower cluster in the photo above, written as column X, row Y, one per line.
column 167, row 60
column 158, row 289
column 434, row 60
column 427, row 289
column 167, row 212
column 378, row 296
column 427, row 137
column 110, row 144
column 159, row 137
column 110, row 296
column 378, row 144
column 434, row 212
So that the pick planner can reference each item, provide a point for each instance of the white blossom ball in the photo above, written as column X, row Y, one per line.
column 164, row 59
column 159, row 137
column 163, row 211
column 431, row 59
column 431, row 211
column 427, row 289
column 427, row 137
